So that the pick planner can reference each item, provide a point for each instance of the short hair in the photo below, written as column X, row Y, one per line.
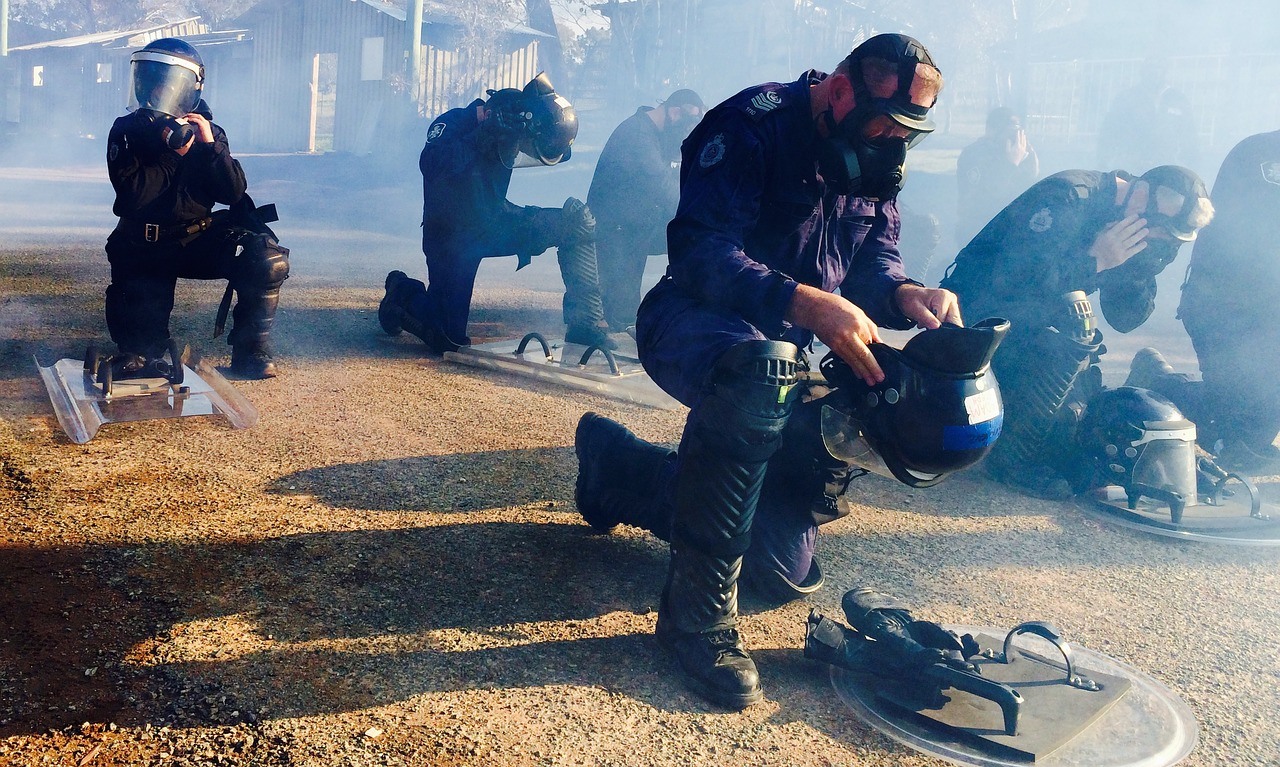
column 685, row 97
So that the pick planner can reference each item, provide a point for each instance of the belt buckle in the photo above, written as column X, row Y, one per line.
column 151, row 232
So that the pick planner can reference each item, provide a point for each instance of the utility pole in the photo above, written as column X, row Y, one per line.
column 4, row 27
column 415, row 52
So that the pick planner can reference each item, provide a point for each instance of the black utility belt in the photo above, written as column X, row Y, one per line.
column 156, row 233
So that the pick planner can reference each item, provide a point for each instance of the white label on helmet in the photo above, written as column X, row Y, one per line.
column 562, row 102
column 982, row 406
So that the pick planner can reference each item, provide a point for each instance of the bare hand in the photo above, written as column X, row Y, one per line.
column 203, row 133
column 840, row 325
column 1015, row 147
column 1119, row 242
column 204, row 130
column 928, row 307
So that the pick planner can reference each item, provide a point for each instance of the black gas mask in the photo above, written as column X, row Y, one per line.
column 852, row 164
column 855, row 158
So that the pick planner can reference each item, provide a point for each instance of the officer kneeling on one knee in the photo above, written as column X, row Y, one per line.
column 170, row 164
column 1036, row 263
column 466, row 169
column 787, row 194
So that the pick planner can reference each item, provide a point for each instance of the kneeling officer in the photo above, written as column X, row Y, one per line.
column 170, row 164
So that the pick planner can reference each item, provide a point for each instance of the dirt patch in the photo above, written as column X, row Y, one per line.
column 388, row 568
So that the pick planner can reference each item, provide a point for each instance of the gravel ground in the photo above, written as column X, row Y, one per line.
column 388, row 569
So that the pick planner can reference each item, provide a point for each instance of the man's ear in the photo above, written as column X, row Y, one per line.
column 842, row 96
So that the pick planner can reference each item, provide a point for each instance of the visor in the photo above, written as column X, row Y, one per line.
column 844, row 439
column 1167, row 461
column 163, row 83
column 1177, row 228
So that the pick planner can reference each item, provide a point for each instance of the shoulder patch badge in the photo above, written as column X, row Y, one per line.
column 1042, row 221
column 1271, row 172
column 712, row 151
column 436, row 131
column 113, row 151
column 764, row 102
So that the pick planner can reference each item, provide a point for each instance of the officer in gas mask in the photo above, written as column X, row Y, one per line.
column 787, row 194
column 466, row 169
column 170, row 165
column 1037, row 263
column 633, row 195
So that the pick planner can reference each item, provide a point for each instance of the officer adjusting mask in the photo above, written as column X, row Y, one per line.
column 1177, row 225
column 938, row 410
column 534, row 125
column 866, row 152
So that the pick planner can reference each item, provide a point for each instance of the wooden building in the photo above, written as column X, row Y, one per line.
column 76, row 86
column 292, row 76
column 333, row 75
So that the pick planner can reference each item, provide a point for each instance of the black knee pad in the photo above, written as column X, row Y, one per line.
column 751, row 391
column 577, row 222
column 263, row 264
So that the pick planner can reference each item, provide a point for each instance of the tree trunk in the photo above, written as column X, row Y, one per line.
column 550, row 54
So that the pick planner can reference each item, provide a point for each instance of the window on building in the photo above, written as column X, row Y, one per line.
column 37, row 76
column 371, row 58
column 104, row 72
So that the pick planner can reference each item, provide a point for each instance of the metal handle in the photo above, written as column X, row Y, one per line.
column 546, row 348
column 608, row 357
column 1046, row 630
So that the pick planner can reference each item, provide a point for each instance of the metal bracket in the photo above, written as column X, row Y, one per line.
column 1048, row 631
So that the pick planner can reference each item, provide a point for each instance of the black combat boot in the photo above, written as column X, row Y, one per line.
column 619, row 476
column 388, row 309
column 730, row 436
column 394, row 315
column 252, row 360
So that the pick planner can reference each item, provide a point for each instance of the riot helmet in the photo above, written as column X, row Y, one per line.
column 553, row 122
column 937, row 411
column 1140, row 441
column 865, row 153
column 534, row 121
column 167, row 77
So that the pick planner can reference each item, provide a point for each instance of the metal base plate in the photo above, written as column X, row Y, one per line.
column 82, row 408
column 1228, row 523
column 1147, row 726
column 564, row 364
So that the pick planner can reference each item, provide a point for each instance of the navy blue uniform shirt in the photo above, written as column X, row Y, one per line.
column 756, row 219
column 464, row 184
column 1235, row 264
